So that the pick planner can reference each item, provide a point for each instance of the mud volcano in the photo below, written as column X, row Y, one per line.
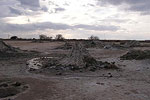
column 78, row 59
column 7, row 51
column 5, row 48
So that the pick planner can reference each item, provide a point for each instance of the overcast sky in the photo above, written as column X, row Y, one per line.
column 108, row 19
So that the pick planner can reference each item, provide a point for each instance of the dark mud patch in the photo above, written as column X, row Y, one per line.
column 9, row 88
column 136, row 55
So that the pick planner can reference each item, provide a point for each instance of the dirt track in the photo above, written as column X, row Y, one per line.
column 132, row 82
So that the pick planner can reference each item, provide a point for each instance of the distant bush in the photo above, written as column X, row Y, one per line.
column 14, row 38
column 59, row 37
column 44, row 37
column 92, row 37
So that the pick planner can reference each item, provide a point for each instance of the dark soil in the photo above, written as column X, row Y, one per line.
column 11, row 88
column 137, row 55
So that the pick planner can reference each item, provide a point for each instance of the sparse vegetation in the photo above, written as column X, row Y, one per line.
column 44, row 37
column 14, row 38
column 59, row 37
column 92, row 37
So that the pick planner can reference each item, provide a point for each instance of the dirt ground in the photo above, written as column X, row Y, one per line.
column 131, row 82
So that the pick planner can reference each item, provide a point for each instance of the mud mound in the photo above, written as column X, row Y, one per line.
column 66, row 46
column 4, row 47
column 7, row 51
column 78, row 59
column 10, row 88
column 137, row 55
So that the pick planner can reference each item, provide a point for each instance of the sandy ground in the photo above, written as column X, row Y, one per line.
column 132, row 82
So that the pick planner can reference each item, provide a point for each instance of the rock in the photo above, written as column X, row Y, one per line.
column 59, row 73
column 16, row 84
column 110, row 75
column 100, row 83
column 107, row 47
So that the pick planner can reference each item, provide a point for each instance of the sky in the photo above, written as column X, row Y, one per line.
column 107, row 19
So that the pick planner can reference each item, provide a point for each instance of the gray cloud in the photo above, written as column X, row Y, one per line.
column 142, row 6
column 98, row 28
column 116, row 20
column 19, row 7
column 66, row 4
column 32, row 3
column 5, row 7
column 5, row 13
column 50, row 25
column 15, row 11
column 5, row 27
column 44, row 8
column 11, row 8
column 8, row 2
column 59, row 9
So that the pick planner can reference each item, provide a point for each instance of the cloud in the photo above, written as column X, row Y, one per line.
column 5, row 10
column 98, row 27
column 44, row 8
column 5, row 27
column 50, row 25
column 5, row 13
column 142, row 6
column 116, row 20
column 31, row 3
column 13, row 8
column 15, row 11
column 59, row 9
